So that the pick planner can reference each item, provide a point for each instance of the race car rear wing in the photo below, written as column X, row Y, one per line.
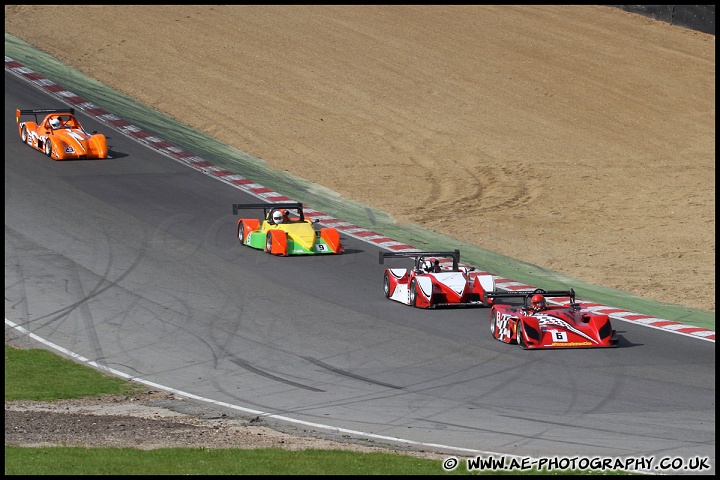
column 420, row 256
column 271, row 206
column 527, row 294
column 41, row 111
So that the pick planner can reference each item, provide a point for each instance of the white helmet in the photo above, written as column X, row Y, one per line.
column 277, row 217
column 55, row 122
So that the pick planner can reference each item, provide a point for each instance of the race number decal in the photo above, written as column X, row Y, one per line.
column 321, row 247
column 559, row 336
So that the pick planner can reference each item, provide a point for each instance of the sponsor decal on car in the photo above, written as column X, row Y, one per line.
column 571, row 344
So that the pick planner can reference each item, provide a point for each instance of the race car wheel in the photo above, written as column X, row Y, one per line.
column 386, row 285
column 48, row 147
column 519, row 335
column 241, row 232
column 413, row 293
column 268, row 243
column 24, row 134
column 493, row 325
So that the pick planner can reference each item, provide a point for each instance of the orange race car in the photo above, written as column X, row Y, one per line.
column 60, row 135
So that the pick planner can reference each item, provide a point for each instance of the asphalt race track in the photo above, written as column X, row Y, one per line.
column 133, row 263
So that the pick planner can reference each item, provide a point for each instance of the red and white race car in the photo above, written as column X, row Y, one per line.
column 534, row 324
column 436, row 280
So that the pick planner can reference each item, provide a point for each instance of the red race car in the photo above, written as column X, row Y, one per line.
column 60, row 135
column 436, row 280
column 536, row 325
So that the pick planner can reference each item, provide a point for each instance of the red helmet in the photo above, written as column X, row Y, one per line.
column 538, row 302
column 428, row 265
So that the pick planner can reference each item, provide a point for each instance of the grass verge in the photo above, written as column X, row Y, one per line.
column 40, row 375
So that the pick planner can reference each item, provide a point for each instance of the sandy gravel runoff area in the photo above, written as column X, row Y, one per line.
column 154, row 419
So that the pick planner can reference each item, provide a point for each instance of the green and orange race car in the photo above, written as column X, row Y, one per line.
column 284, row 230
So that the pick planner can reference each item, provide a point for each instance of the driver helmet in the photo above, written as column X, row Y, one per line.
column 538, row 302
column 277, row 217
column 428, row 264
column 55, row 122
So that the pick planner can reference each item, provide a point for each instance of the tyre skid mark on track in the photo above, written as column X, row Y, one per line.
column 267, row 194
column 270, row 376
column 345, row 373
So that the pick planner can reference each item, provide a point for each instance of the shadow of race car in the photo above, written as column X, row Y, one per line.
column 60, row 135
column 434, row 283
column 537, row 325
column 284, row 230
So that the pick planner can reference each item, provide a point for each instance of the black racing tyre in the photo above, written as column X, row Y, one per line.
column 48, row 147
column 386, row 285
column 413, row 293
column 241, row 232
column 24, row 134
column 518, row 335
column 268, row 243
column 493, row 325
